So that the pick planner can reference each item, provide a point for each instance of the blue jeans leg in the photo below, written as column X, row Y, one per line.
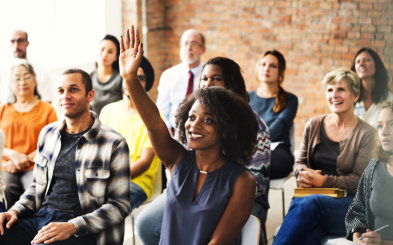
column 29, row 226
column 137, row 195
column 312, row 217
column 148, row 221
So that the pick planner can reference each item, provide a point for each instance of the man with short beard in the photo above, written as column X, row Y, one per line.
column 179, row 81
column 80, row 194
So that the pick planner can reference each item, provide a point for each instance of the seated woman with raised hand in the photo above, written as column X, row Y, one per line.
column 221, row 72
column 372, row 206
column 22, row 120
column 335, row 150
column 210, row 195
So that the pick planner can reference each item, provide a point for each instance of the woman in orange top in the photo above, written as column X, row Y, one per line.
column 22, row 120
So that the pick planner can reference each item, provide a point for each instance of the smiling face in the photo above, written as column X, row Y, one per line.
column 385, row 129
column 72, row 97
column 211, row 76
column 107, row 53
column 365, row 65
column 201, row 129
column 340, row 98
column 22, row 82
column 268, row 69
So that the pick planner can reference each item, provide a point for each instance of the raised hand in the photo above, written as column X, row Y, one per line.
column 131, row 52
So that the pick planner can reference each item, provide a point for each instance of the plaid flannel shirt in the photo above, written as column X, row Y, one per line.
column 102, row 175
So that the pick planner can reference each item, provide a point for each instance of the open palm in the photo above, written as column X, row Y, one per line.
column 131, row 52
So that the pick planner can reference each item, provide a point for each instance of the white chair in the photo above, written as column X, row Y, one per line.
column 250, row 232
column 278, row 184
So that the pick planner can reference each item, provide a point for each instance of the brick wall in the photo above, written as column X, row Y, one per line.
column 314, row 36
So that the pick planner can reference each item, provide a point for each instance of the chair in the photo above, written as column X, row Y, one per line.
column 251, row 231
column 157, row 189
column 278, row 184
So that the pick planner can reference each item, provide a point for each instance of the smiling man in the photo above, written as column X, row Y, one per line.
column 80, row 193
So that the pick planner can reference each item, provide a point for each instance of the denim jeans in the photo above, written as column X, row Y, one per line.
column 137, row 195
column 2, row 207
column 25, row 229
column 312, row 217
column 148, row 221
column 261, row 213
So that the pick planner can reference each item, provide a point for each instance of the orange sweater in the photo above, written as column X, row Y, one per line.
column 21, row 129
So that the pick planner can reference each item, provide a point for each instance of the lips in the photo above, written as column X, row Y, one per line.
column 67, row 105
column 337, row 102
column 195, row 135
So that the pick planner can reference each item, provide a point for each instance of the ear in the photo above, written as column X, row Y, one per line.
column 27, row 44
column 90, row 95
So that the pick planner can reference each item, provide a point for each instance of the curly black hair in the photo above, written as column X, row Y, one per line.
column 381, row 76
column 235, row 120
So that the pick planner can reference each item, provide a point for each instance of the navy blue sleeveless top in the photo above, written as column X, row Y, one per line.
column 192, row 222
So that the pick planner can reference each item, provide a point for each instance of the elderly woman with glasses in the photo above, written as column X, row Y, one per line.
column 22, row 120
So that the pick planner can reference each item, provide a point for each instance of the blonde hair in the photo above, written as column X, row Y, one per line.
column 342, row 74
column 378, row 151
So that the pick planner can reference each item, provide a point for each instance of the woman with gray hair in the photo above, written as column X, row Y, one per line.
column 22, row 120
column 335, row 150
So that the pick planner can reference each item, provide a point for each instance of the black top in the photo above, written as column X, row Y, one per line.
column 325, row 154
column 63, row 193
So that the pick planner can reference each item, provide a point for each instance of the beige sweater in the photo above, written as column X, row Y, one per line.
column 355, row 153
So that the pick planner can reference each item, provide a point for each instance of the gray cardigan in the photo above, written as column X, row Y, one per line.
column 359, row 216
column 355, row 153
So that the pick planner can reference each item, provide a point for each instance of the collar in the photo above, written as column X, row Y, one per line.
column 90, row 135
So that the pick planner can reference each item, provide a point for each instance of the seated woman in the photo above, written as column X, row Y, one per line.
column 222, row 72
column 107, row 83
column 374, row 88
column 122, row 117
column 372, row 206
column 335, row 150
column 22, row 120
column 209, row 187
column 277, row 108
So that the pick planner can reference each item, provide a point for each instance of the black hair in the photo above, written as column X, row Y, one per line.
column 235, row 120
column 86, row 79
column 115, row 64
column 149, row 72
column 232, row 75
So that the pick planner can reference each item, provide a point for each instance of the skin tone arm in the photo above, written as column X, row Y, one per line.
column 237, row 211
column 20, row 161
column 166, row 148
column 370, row 237
column 143, row 163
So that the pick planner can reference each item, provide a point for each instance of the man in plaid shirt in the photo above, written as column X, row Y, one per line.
column 80, row 192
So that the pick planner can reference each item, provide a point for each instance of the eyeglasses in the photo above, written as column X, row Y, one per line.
column 18, row 41
column 192, row 44
column 142, row 78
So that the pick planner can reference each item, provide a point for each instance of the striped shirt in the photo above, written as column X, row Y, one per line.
column 102, row 175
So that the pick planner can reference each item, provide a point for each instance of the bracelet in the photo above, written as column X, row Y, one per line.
column 297, row 172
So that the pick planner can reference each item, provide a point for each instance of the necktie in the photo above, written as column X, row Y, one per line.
column 190, row 86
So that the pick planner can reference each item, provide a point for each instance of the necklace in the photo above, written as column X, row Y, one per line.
column 202, row 172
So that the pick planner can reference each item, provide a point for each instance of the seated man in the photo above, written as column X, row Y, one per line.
column 123, row 117
column 80, row 191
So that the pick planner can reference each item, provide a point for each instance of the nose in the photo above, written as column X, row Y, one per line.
column 210, row 82
column 196, row 123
